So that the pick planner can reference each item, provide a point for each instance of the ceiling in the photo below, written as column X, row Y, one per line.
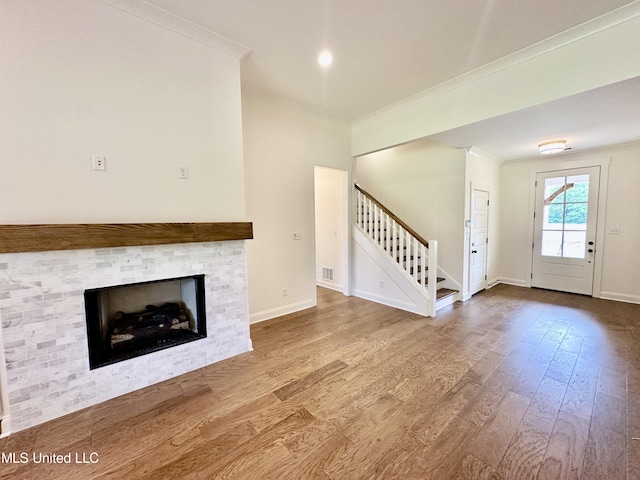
column 386, row 51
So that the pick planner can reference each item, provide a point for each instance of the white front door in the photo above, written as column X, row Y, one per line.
column 566, row 214
column 479, row 239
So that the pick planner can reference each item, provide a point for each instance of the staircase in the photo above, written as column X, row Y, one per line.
column 415, row 258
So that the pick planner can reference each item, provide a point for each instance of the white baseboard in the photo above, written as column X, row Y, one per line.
column 5, row 427
column 512, row 281
column 330, row 285
column 388, row 301
column 620, row 297
column 280, row 311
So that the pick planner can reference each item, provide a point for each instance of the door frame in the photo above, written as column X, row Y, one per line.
column 581, row 161
column 476, row 187
column 345, row 257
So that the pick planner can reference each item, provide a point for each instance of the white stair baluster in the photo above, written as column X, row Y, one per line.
column 394, row 239
column 433, row 277
column 423, row 257
column 416, row 251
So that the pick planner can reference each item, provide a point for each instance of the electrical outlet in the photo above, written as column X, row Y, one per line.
column 183, row 172
column 381, row 283
column 284, row 292
column 613, row 230
column 99, row 162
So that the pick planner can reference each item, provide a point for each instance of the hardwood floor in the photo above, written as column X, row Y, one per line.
column 514, row 384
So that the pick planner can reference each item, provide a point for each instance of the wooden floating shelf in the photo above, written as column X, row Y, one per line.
column 39, row 238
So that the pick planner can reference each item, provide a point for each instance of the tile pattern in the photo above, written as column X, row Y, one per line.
column 44, row 330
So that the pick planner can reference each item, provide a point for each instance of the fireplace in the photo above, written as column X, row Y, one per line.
column 45, row 271
column 126, row 321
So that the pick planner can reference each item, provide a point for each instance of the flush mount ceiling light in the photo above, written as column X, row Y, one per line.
column 325, row 58
column 553, row 146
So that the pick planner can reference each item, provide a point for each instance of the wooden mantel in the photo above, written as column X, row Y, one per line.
column 38, row 238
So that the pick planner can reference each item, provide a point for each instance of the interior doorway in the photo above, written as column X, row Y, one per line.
column 565, row 224
column 331, row 191
column 479, row 236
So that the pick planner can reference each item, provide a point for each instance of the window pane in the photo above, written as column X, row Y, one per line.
column 551, row 243
column 575, row 216
column 580, row 190
column 551, row 187
column 574, row 244
column 552, row 219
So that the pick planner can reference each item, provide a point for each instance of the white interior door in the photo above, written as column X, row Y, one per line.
column 566, row 215
column 479, row 239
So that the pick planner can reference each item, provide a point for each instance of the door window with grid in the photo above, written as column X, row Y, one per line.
column 564, row 224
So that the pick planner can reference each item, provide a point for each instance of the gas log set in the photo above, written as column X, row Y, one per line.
column 151, row 327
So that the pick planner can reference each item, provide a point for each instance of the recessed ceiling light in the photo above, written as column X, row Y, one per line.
column 325, row 58
column 553, row 146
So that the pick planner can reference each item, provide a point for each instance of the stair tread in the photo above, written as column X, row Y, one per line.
column 445, row 292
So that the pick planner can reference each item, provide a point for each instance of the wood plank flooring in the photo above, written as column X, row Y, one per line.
column 516, row 384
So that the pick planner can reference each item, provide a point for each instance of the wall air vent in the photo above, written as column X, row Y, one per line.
column 327, row 273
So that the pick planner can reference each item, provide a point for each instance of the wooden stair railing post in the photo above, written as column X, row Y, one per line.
column 433, row 277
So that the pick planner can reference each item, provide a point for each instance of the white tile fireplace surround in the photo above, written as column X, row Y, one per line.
column 45, row 335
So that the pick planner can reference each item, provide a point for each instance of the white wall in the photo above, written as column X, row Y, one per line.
column 620, row 278
column 331, row 225
column 483, row 173
column 423, row 183
column 81, row 78
column 597, row 53
column 281, row 147
column 620, row 273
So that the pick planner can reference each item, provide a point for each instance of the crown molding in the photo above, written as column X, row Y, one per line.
column 575, row 155
column 176, row 24
column 579, row 32
column 477, row 152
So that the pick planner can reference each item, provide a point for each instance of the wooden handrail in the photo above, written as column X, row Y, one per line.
column 392, row 215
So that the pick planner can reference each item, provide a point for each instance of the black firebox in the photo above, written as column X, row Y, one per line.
column 126, row 321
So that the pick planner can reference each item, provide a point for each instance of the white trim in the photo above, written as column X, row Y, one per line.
column 480, row 187
column 446, row 301
column 388, row 301
column 346, row 249
column 330, row 285
column 5, row 427
column 345, row 260
column 579, row 32
column 513, row 281
column 174, row 23
column 448, row 281
column 481, row 154
column 417, row 295
column 532, row 76
column 580, row 161
column 280, row 311
column 620, row 297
